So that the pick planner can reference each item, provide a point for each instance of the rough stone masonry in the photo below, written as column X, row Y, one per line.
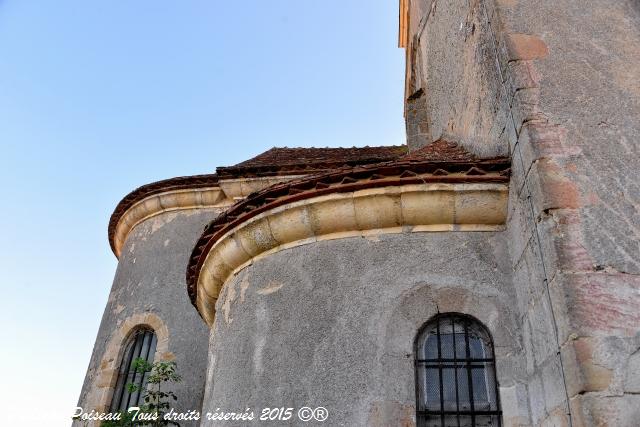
column 302, row 277
column 556, row 85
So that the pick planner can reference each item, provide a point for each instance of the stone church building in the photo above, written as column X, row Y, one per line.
column 487, row 273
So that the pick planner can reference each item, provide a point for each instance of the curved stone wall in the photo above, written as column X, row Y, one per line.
column 149, row 289
column 402, row 209
column 186, row 193
column 333, row 324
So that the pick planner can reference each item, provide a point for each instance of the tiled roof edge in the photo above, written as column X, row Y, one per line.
column 346, row 179
column 142, row 192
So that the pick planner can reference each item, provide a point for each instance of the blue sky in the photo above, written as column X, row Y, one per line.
column 98, row 97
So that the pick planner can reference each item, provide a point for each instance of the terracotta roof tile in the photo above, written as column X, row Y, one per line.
column 287, row 155
column 441, row 162
column 309, row 162
column 288, row 161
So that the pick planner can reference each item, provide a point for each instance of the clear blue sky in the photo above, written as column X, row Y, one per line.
column 98, row 97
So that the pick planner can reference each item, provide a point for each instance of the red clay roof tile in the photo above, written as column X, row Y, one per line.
column 289, row 161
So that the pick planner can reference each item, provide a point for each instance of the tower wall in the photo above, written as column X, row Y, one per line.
column 149, row 289
column 333, row 324
column 555, row 84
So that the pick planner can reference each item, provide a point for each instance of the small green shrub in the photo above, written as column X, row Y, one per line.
column 157, row 397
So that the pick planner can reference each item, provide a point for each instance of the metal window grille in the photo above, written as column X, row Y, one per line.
column 456, row 384
column 141, row 344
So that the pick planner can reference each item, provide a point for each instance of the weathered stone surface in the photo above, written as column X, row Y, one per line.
column 596, row 304
column 418, row 131
column 525, row 47
column 354, row 333
column 387, row 413
column 514, row 402
column 536, row 399
column 589, row 87
column 593, row 409
column 553, row 83
column 454, row 65
column 150, row 281
column 632, row 380
column 565, row 74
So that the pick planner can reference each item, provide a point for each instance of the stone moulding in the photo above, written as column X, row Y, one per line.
column 232, row 183
column 183, row 193
column 473, row 200
column 138, row 195
column 165, row 202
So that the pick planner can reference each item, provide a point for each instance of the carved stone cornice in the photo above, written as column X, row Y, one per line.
column 176, row 194
column 233, row 183
column 394, row 197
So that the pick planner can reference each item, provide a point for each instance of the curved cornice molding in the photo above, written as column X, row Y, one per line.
column 181, row 193
column 388, row 198
column 138, row 195
column 168, row 201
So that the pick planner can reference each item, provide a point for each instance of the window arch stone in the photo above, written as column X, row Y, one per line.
column 455, row 369
column 107, row 371
column 420, row 300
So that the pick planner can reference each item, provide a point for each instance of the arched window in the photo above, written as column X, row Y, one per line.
column 455, row 374
column 141, row 344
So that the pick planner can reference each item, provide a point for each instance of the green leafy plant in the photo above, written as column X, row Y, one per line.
column 157, row 397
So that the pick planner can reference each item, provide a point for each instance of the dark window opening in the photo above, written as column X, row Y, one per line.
column 141, row 344
column 456, row 385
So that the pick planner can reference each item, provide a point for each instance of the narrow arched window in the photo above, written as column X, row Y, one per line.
column 456, row 382
column 140, row 344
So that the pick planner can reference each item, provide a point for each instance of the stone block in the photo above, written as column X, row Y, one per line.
column 417, row 121
column 519, row 226
column 556, row 418
column 290, row 224
column 509, row 138
column 377, row 211
column 537, row 142
column 596, row 304
column 632, row 374
column 583, row 373
column 521, row 282
column 543, row 334
column 562, row 243
column 544, row 141
column 609, row 411
column 518, row 173
column 520, row 75
column 555, row 395
column 525, row 107
column 536, row 399
column 551, row 188
column 428, row 207
column 515, row 407
column 577, row 411
column 480, row 206
column 525, row 47
column 106, row 378
column 332, row 215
